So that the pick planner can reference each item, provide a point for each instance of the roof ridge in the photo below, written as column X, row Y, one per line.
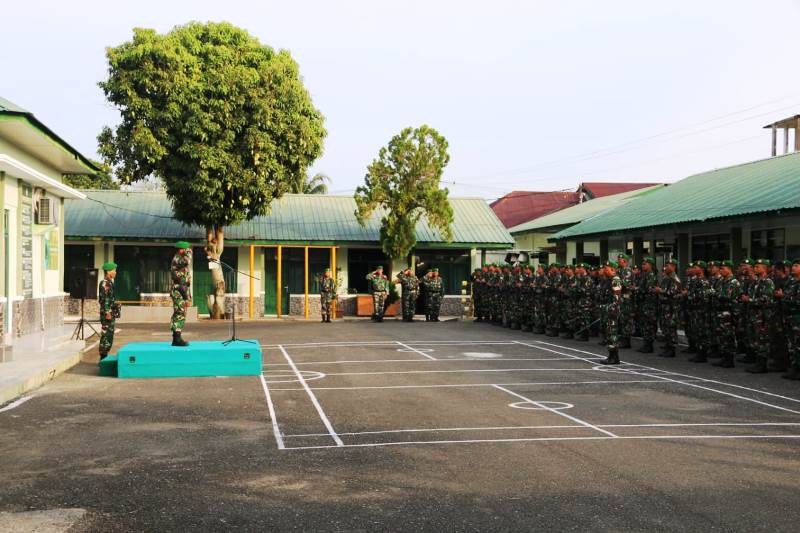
column 737, row 165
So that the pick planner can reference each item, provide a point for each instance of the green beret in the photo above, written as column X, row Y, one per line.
column 650, row 260
column 327, row 270
column 701, row 264
column 672, row 262
column 182, row 245
column 746, row 261
column 623, row 256
column 764, row 262
column 613, row 264
column 796, row 261
column 379, row 267
column 726, row 263
column 713, row 264
column 436, row 270
column 108, row 267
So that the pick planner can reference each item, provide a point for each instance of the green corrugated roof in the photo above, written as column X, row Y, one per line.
column 577, row 213
column 755, row 187
column 295, row 218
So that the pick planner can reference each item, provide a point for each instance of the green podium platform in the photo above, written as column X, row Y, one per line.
column 200, row 358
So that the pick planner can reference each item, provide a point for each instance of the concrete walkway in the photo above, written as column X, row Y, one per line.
column 37, row 359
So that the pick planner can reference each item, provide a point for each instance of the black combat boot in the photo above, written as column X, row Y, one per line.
column 613, row 357
column 103, row 355
column 668, row 351
column 647, row 347
column 793, row 373
column 759, row 368
column 177, row 340
column 699, row 357
column 725, row 362
column 625, row 342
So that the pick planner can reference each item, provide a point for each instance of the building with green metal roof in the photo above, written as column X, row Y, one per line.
column 33, row 163
column 136, row 230
column 751, row 209
column 532, row 236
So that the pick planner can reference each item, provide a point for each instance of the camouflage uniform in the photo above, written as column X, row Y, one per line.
column 762, row 302
column 566, row 321
column 626, row 326
column 434, row 290
column 740, row 317
column 107, row 301
column 553, row 302
column 725, row 299
column 602, row 295
column 583, row 290
column 668, row 309
column 527, row 297
column 410, row 286
column 478, row 294
column 648, row 307
column 613, row 314
column 697, row 309
column 540, row 303
column 714, row 283
column 181, row 270
column 378, row 286
column 327, row 294
column 791, row 324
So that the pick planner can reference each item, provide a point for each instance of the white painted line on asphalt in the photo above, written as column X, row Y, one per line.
column 461, row 371
column 549, row 439
column 695, row 385
column 386, row 343
column 554, row 411
column 446, row 360
column 311, row 395
column 16, row 403
column 507, row 428
column 275, row 429
column 467, row 385
column 407, row 347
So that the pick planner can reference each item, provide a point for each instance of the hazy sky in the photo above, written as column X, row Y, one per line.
column 531, row 95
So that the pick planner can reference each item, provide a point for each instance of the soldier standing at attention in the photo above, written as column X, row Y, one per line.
column 551, row 290
column 476, row 280
column 526, row 298
column 761, row 302
column 636, row 300
column 327, row 294
column 410, row 285
column 108, row 308
column 378, row 286
column 780, row 276
column 602, row 297
column 745, row 276
column 567, row 307
column 790, row 297
column 613, row 314
column 648, row 304
column 584, row 286
column 725, row 299
column 181, row 269
column 436, row 286
column 625, row 275
column 714, row 281
column 697, row 302
column 539, row 300
column 669, row 290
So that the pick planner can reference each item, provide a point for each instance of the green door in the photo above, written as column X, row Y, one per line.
column 127, row 283
column 270, row 279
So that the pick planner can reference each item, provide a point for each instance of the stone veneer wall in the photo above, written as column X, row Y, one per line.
column 33, row 315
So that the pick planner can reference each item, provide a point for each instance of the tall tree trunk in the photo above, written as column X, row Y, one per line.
column 215, row 240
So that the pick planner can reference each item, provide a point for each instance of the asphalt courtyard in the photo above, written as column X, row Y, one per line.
column 452, row 426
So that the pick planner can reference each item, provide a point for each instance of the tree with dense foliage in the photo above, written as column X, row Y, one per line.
column 404, row 183
column 316, row 184
column 223, row 120
column 103, row 180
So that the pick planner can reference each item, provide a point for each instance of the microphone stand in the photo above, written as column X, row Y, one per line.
column 233, row 315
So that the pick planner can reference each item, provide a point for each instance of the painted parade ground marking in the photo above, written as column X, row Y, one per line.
column 289, row 376
column 541, row 405
column 483, row 355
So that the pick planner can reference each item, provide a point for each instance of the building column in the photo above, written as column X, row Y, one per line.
column 251, row 306
column 638, row 250
column 736, row 245
column 683, row 249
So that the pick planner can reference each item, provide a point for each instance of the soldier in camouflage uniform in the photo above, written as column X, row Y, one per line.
column 540, row 300
column 410, row 285
column 181, row 293
column 636, row 300
column 515, row 298
column 602, row 296
column 526, row 298
column 625, row 275
column 697, row 306
column 613, row 314
column 552, row 293
column 714, row 281
column 761, row 302
column 779, row 275
column 567, row 305
column 434, row 291
column 327, row 294
column 725, row 297
column 790, row 300
column 648, row 304
column 108, row 308
column 668, row 290
column 478, row 283
column 743, row 334
column 379, row 287
column 583, row 291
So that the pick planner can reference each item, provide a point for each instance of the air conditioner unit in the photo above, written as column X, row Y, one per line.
column 46, row 211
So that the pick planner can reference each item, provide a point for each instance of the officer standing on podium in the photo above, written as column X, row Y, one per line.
column 181, row 269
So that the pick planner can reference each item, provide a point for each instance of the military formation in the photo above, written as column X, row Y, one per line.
column 751, row 309
column 430, row 288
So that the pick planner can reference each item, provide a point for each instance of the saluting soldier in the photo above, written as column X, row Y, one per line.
column 761, row 302
column 669, row 290
column 108, row 308
column 327, row 294
column 613, row 315
column 790, row 299
column 436, row 293
column 181, row 293
column 378, row 286
column 410, row 285
column 648, row 304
